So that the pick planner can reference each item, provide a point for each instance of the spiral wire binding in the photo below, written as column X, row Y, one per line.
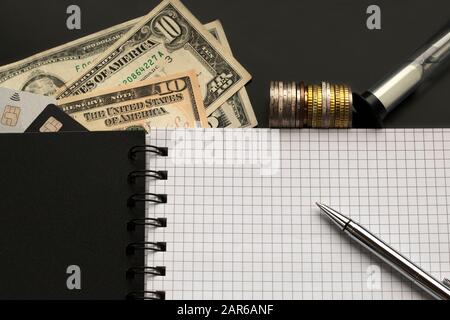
column 146, row 197
column 163, row 152
column 153, row 271
column 158, row 175
column 146, row 246
column 151, row 222
column 158, row 271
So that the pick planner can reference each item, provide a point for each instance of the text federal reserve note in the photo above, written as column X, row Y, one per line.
column 167, row 40
column 237, row 112
column 165, row 102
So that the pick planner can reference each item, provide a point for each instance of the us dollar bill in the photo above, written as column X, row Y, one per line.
column 46, row 72
column 237, row 112
column 165, row 102
column 167, row 40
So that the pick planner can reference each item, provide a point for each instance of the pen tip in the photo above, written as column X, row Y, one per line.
column 334, row 215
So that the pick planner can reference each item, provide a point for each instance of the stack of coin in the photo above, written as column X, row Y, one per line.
column 296, row 105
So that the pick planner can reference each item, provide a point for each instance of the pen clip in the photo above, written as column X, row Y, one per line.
column 446, row 283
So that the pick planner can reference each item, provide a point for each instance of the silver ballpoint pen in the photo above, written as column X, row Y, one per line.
column 439, row 290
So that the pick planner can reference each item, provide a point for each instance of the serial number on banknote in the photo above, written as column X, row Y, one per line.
column 148, row 67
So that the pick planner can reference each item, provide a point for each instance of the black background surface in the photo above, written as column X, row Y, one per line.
column 274, row 40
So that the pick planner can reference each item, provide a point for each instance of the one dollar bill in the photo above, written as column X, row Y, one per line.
column 165, row 102
column 167, row 40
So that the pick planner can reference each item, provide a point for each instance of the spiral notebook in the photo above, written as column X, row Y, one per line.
column 219, row 214
column 71, row 221
column 242, row 221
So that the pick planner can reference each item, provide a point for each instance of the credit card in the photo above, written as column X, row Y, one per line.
column 53, row 119
column 19, row 109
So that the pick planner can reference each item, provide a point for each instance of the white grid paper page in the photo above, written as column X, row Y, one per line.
column 249, row 229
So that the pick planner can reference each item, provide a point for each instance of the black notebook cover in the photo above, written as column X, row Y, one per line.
column 63, row 205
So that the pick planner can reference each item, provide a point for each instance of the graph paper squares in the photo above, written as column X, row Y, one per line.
column 249, row 229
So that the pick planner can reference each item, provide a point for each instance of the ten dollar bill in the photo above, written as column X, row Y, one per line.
column 237, row 112
column 165, row 102
column 167, row 40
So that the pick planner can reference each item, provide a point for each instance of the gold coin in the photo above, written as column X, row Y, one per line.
column 338, row 106
column 309, row 102
column 325, row 108
column 314, row 106
column 342, row 97
column 346, row 107
column 329, row 103
column 297, row 106
column 332, row 107
column 300, row 105
column 351, row 107
column 317, row 106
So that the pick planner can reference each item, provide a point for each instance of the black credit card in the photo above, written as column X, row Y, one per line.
column 53, row 119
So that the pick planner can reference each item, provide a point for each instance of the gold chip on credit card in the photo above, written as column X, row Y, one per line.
column 51, row 125
column 10, row 116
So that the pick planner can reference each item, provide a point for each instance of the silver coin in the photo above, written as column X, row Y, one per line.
column 297, row 106
column 271, row 103
column 274, row 105
column 286, row 104
column 285, row 122
column 280, row 103
column 292, row 96
column 293, row 104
